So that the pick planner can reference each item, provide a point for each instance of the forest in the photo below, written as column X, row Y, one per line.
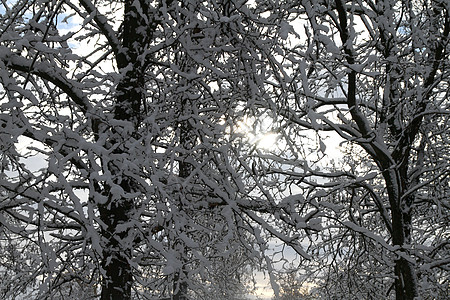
column 192, row 149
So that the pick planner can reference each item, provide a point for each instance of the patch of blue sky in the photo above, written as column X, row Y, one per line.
column 66, row 21
column 3, row 5
column 10, row 5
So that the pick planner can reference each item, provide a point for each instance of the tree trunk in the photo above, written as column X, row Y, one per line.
column 406, row 287
column 117, row 276
column 405, row 274
column 130, row 94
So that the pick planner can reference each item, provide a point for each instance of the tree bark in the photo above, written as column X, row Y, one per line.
column 405, row 275
column 117, row 271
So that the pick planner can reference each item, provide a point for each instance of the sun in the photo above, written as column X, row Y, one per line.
column 267, row 141
column 260, row 136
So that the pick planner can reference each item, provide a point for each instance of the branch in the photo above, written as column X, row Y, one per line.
column 379, row 203
column 50, row 73
column 102, row 23
column 290, row 241
column 380, row 154
column 412, row 129
column 65, row 150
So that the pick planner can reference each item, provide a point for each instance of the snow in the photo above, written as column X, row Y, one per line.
column 244, row 187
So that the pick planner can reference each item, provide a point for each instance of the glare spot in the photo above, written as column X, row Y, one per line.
column 264, row 140
column 267, row 141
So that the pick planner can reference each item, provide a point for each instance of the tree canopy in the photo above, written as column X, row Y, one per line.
column 132, row 156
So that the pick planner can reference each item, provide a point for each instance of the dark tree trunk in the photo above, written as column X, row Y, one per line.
column 405, row 274
column 117, row 277
column 117, row 271
column 406, row 287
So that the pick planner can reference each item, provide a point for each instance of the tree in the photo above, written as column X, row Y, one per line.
column 292, row 287
column 126, row 172
column 125, row 107
column 374, row 75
